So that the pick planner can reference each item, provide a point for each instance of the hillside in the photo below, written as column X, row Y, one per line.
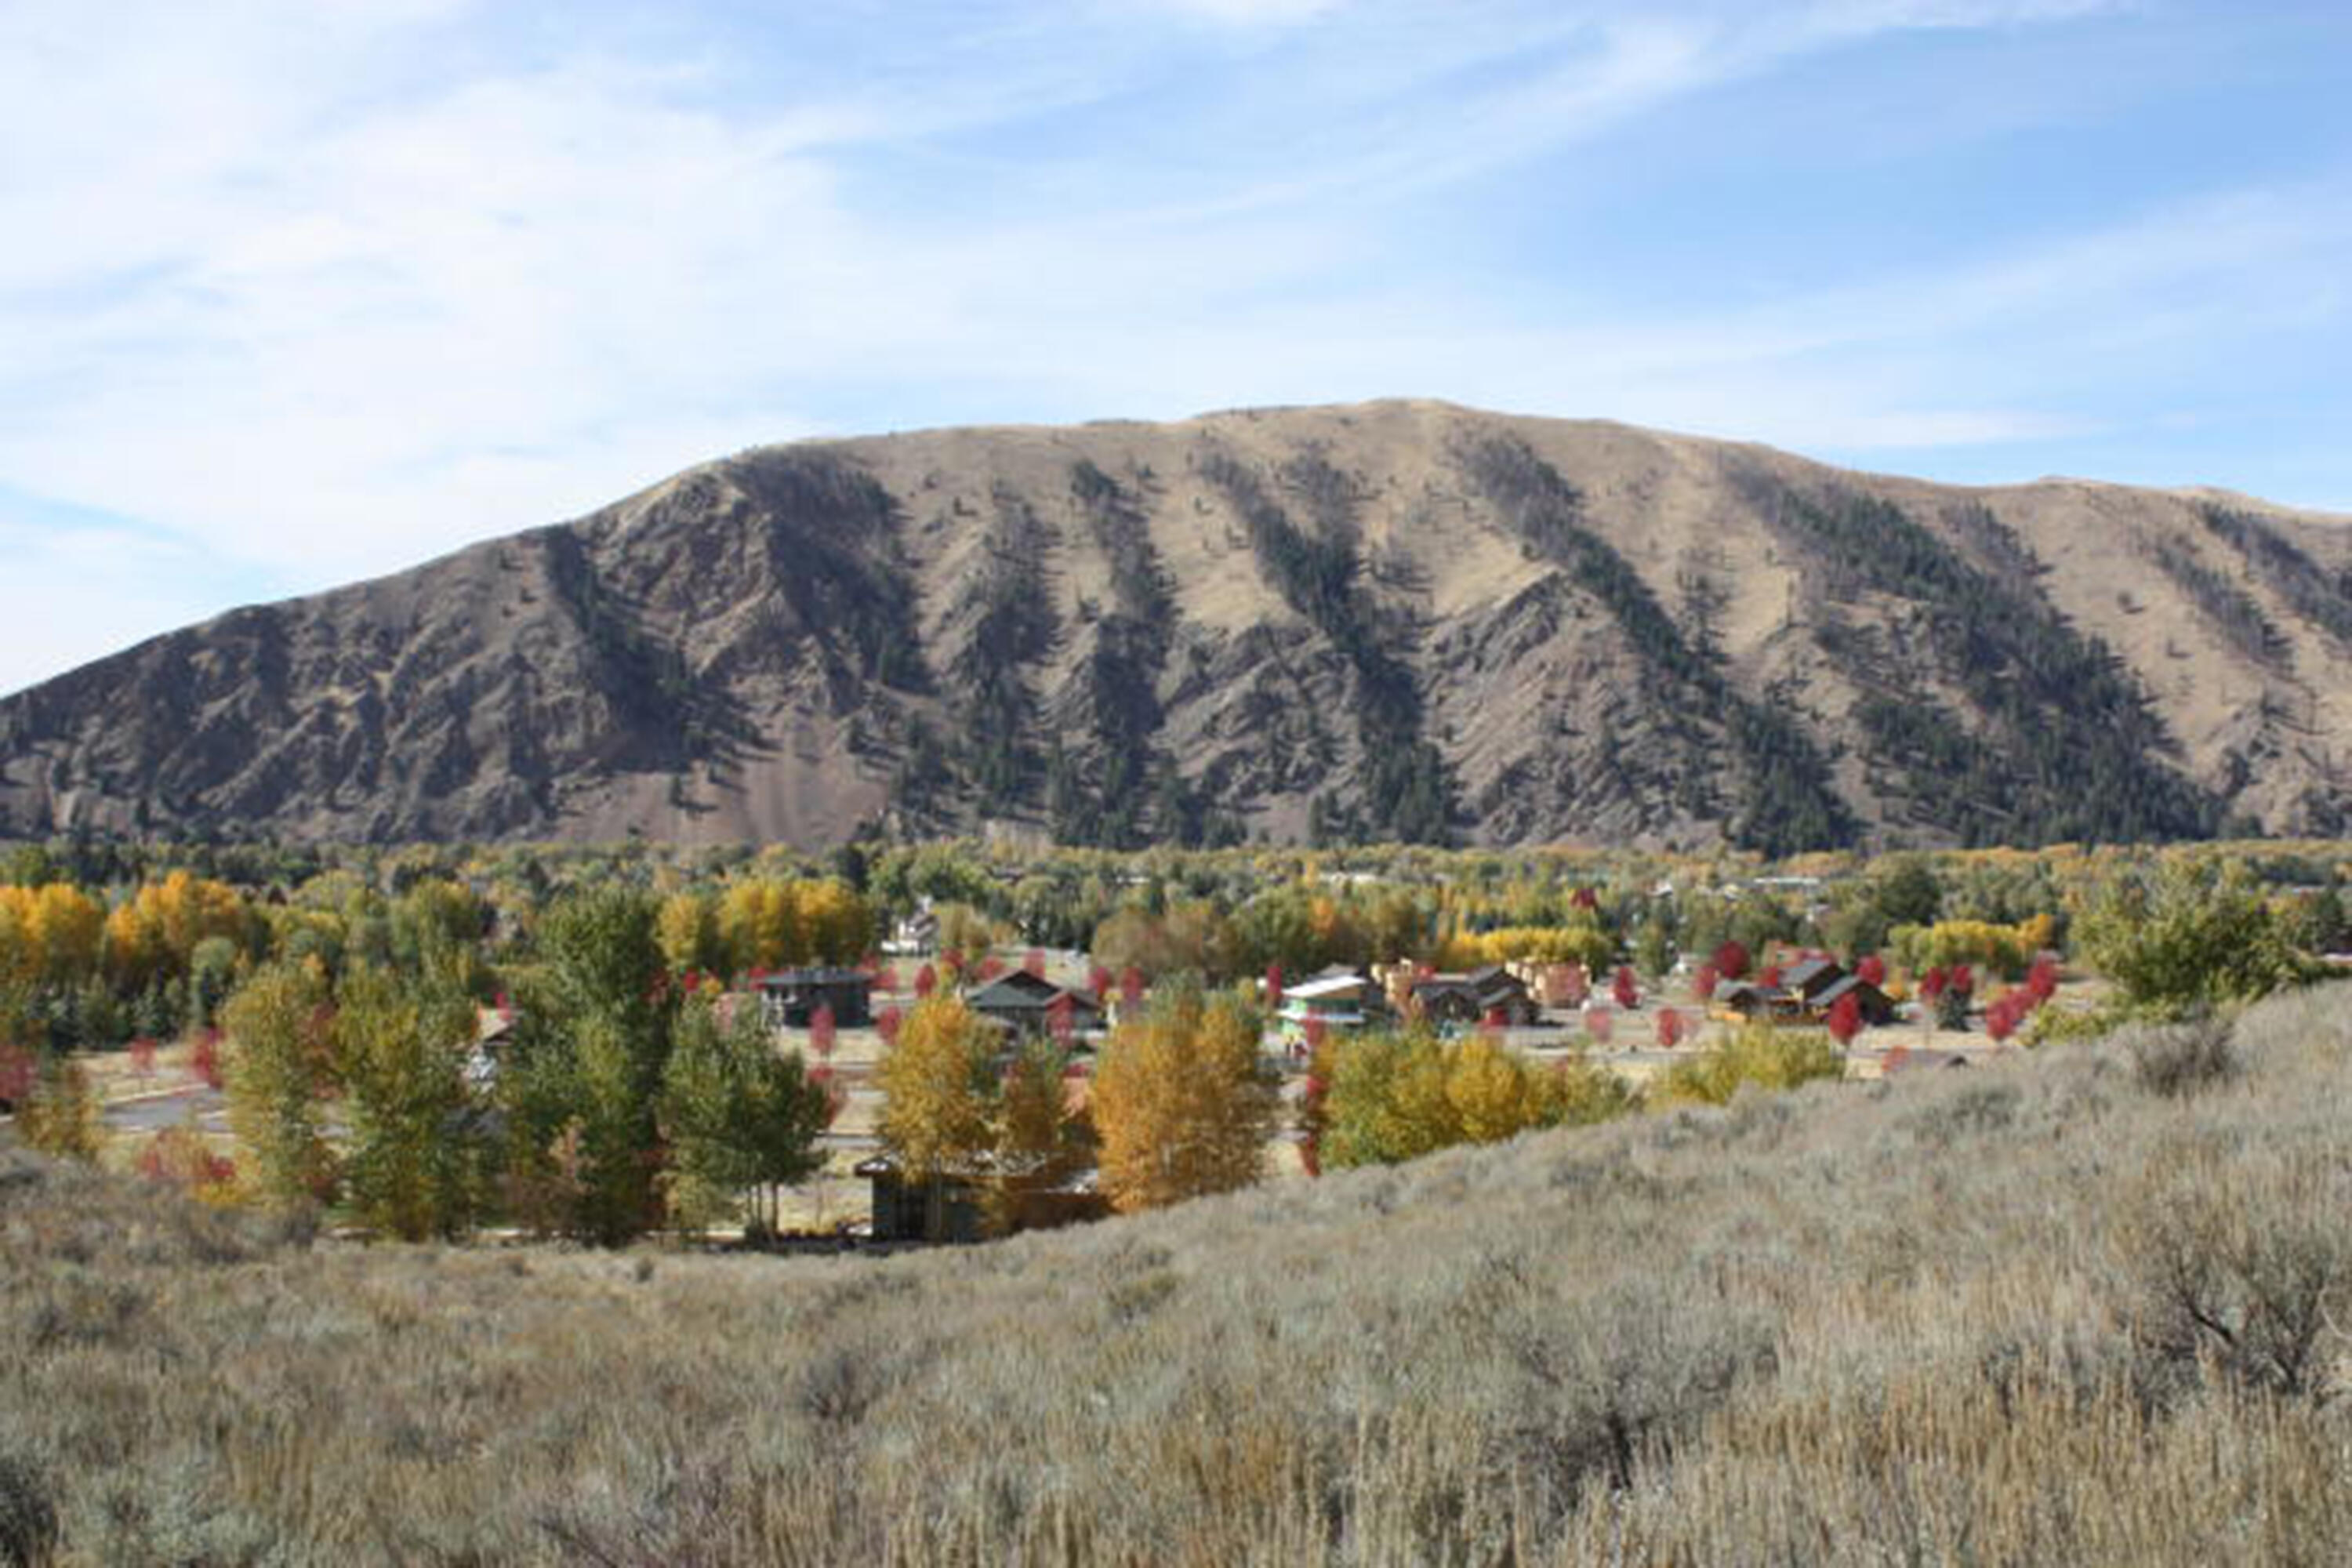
column 2065, row 1307
column 1399, row 620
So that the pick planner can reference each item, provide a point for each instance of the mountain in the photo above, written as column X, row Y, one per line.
column 1395, row 620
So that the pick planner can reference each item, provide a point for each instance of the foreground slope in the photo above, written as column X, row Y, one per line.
column 2055, row 1309
column 1398, row 620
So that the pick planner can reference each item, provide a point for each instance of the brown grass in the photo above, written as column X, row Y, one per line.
column 2033, row 1312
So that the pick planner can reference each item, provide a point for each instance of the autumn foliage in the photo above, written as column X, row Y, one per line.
column 1180, row 1103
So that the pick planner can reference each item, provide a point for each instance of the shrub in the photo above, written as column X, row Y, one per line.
column 28, row 1515
column 2237, row 1264
column 1759, row 1054
column 2177, row 1059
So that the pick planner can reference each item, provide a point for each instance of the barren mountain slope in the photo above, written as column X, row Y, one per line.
column 1397, row 619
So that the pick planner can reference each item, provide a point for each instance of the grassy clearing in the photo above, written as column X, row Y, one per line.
column 2084, row 1305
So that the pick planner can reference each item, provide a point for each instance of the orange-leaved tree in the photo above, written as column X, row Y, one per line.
column 1181, row 1104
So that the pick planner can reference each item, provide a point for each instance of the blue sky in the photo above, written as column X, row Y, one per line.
column 294, row 294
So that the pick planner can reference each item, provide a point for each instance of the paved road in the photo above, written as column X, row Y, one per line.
column 156, row 1112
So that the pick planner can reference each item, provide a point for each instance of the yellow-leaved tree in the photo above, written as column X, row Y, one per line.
column 1182, row 1103
column 938, row 1101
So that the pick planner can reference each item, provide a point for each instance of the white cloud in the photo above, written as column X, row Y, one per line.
column 325, row 289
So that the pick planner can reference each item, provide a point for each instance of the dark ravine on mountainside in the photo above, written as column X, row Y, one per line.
column 1396, row 620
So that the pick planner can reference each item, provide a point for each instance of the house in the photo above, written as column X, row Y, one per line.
column 1335, row 999
column 1468, row 1000
column 1749, row 1001
column 1026, row 1003
column 1877, row 1008
column 789, row 998
column 493, row 1034
column 918, row 934
column 1819, row 984
column 1045, row 1199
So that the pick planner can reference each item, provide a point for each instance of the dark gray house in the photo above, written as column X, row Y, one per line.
column 1024, row 1001
column 790, row 997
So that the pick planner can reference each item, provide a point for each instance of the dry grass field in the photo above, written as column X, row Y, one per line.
column 2086, row 1305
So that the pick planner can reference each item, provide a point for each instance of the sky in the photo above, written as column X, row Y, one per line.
column 292, row 294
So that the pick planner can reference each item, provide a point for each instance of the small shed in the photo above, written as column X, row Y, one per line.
column 1042, row 1200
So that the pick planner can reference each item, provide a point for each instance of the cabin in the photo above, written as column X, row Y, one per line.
column 1808, row 989
column 917, row 933
column 1025, row 1003
column 1042, row 1199
column 789, row 998
column 1752, row 1001
column 1472, row 999
column 1335, row 999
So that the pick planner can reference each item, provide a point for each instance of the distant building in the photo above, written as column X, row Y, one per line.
column 1335, row 999
column 1806, row 990
column 1026, row 1003
column 1469, row 1000
column 1051, row 1197
column 789, row 998
column 918, row 934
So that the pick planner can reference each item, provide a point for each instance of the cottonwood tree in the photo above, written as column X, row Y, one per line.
column 583, row 1075
column 414, row 1164
column 279, row 1061
column 59, row 1114
column 740, row 1119
column 1182, row 1103
column 938, row 1115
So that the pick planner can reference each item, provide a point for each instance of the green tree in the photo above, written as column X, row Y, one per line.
column 414, row 1166
column 2193, row 935
column 279, row 1063
column 738, row 1117
column 593, row 1040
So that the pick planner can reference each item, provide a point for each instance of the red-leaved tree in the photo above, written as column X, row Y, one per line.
column 927, row 979
column 1731, row 960
column 1099, row 980
column 1704, row 983
column 821, row 1031
column 1846, row 1018
column 1670, row 1027
column 1626, row 990
column 1274, row 985
column 2007, row 1011
column 886, row 1024
column 1600, row 1023
column 1871, row 970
